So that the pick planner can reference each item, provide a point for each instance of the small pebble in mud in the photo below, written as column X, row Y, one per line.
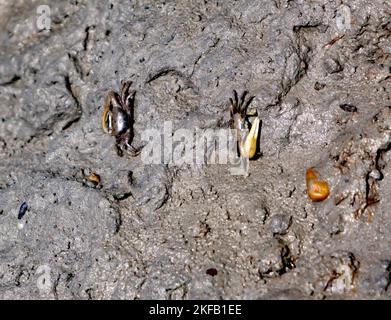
column 332, row 66
column 343, row 18
column 130, row 177
column 348, row 107
column 211, row 272
column 376, row 174
column 22, row 210
column 319, row 86
column 280, row 223
column 94, row 178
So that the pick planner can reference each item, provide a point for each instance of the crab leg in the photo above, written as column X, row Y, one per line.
column 125, row 85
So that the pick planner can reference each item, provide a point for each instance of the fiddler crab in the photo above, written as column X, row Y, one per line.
column 118, row 118
column 247, row 133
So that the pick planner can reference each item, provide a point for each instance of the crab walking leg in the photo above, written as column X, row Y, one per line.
column 248, row 146
column 125, row 85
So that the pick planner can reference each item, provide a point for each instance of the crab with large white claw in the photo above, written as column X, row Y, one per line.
column 247, row 133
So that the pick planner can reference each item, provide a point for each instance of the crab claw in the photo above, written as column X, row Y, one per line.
column 107, row 116
column 106, row 120
column 248, row 146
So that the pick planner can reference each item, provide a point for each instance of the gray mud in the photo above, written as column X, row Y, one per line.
column 320, row 74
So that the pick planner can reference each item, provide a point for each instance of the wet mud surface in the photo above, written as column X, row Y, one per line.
column 320, row 74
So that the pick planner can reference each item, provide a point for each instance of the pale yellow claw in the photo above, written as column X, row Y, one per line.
column 107, row 113
column 105, row 118
column 248, row 147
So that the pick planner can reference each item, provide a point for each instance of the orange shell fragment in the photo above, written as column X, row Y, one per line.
column 318, row 190
column 94, row 178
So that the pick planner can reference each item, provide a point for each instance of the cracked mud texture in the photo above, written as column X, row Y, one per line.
column 320, row 73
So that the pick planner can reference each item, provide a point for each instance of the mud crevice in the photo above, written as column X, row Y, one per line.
column 12, row 81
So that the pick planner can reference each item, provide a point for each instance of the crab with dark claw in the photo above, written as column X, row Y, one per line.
column 118, row 118
column 247, row 133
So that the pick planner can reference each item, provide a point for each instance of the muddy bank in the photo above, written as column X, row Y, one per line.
column 320, row 74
